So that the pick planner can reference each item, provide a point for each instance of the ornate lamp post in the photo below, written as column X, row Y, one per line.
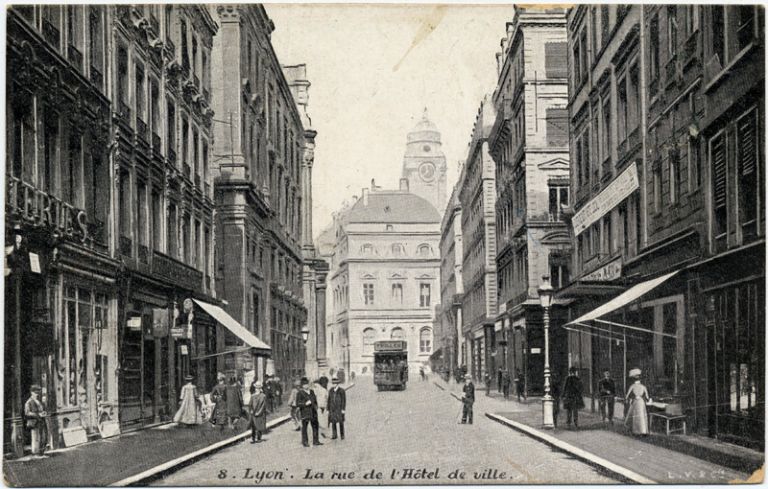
column 545, row 297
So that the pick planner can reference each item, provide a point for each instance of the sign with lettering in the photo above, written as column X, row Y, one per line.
column 159, row 322
column 34, row 262
column 179, row 332
column 535, row 351
column 134, row 323
column 176, row 272
column 611, row 196
column 37, row 207
column 606, row 273
column 391, row 345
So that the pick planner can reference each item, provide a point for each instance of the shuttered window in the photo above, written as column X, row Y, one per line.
column 557, row 127
column 718, row 148
column 555, row 64
column 747, row 153
column 747, row 145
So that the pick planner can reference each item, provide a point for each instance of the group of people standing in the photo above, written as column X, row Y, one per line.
column 316, row 406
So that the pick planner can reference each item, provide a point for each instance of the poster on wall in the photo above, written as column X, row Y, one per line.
column 159, row 322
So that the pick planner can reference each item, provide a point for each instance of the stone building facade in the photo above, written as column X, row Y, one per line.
column 529, row 144
column 668, row 223
column 477, row 197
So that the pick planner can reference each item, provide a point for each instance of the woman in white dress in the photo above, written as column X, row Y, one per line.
column 637, row 397
column 189, row 410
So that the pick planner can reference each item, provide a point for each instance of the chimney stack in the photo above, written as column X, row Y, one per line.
column 404, row 185
column 365, row 196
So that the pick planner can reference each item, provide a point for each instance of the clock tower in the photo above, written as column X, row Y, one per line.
column 424, row 163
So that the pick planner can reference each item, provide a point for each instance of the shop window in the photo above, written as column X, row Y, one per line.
column 397, row 334
column 425, row 340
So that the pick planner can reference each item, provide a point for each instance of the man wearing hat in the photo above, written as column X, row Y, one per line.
column 35, row 414
column 294, row 407
column 607, row 389
column 269, row 392
column 468, row 399
column 307, row 404
column 573, row 398
column 257, row 410
column 337, row 406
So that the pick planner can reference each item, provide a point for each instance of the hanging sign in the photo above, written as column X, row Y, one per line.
column 184, row 350
column 606, row 273
column 535, row 351
column 134, row 323
column 179, row 333
column 34, row 262
column 611, row 196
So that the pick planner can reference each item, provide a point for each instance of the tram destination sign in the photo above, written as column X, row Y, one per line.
column 393, row 345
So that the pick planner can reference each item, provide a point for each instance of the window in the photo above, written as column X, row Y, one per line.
column 424, row 250
column 157, row 220
column 607, row 245
column 576, row 50
column 747, row 168
column 71, row 179
column 425, row 291
column 96, row 43
column 555, row 62
column 184, row 51
column 557, row 127
column 654, row 43
column 397, row 293
column 559, row 276
column 142, row 220
column 184, row 156
column 692, row 19
column 125, row 207
column 369, row 337
column 606, row 133
column 398, row 249
column 717, row 150
column 194, row 60
column 397, row 334
column 745, row 28
column 604, row 24
column 694, row 164
column 657, row 187
column 141, row 95
column 674, row 176
column 75, row 35
column 718, row 32
column 368, row 294
column 558, row 198
column 171, row 130
column 583, row 63
column 672, row 30
column 24, row 144
column 185, row 238
column 122, row 81
column 172, row 244
column 624, row 220
column 633, row 101
column 52, row 24
column 425, row 340
column 196, row 152
column 154, row 116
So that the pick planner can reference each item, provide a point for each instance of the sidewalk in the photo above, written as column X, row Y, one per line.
column 107, row 461
column 654, row 459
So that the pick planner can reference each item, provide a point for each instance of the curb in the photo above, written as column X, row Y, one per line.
column 590, row 458
column 155, row 472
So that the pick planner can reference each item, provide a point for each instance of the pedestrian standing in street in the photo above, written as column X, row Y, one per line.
column 519, row 386
column 468, row 399
column 189, row 413
column 307, row 402
column 638, row 398
column 219, row 397
column 321, row 392
column 573, row 399
column 234, row 402
column 487, row 379
column 295, row 407
column 421, row 373
column 257, row 411
column 35, row 414
column 607, row 390
column 337, row 407
column 278, row 392
column 500, row 380
column 505, row 381
column 268, row 392
column 554, row 386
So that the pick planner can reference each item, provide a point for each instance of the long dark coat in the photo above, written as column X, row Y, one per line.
column 257, row 411
column 573, row 391
column 219, row 397
column 307, row 411
column 337, row 403
column 234, row 401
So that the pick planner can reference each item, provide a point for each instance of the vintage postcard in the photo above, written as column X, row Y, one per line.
column 384, row 244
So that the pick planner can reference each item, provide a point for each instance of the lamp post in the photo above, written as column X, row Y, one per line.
column 545, row 297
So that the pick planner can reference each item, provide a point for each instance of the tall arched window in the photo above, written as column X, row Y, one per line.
column 369, row 336
column 398, row 334
column 425, row 340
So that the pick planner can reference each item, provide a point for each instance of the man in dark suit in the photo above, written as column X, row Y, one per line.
column 307, row 403
column 337, row 406
column 468, row 398
column 607, row 389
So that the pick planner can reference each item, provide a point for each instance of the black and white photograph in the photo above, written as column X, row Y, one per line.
column 384, row 244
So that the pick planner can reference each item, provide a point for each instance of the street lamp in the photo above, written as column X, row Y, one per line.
column 545, row 297
column 305, row 334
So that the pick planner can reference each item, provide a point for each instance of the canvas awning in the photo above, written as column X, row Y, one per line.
column 629, row 296
column 237, row 329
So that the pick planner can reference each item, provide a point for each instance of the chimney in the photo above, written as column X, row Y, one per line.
column 365, row 196
column 404, row 185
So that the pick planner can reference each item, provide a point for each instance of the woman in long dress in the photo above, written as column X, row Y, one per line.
column 219, row 398
column 637, row 397
column 189, row 411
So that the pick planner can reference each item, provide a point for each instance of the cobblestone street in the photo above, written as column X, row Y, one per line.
column 414, row 433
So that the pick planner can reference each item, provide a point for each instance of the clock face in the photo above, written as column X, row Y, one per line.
column 427, row 171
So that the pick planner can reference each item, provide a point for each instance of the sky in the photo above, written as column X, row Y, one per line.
column 373, row 69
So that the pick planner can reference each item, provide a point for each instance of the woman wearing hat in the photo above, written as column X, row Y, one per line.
column 189, row 412
column 573, row 397
column 637, row 397
column 219, row 398
column 257, row 410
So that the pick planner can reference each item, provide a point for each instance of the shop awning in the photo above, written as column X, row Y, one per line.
column 237, row 329
column 622, row 300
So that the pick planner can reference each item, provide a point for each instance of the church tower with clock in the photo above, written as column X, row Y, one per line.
column 424, row 165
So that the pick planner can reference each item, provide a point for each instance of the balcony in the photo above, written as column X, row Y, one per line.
column 171, row 155
column 75, row 57
column 97, row 77
column 126, row 246
column 157, row 143
column 144, row 254
column 197, row 182
column 670, row 70
column 187, row 170
column 124, row 110
column 141, row 129
column 51, row 33
column 690, row 48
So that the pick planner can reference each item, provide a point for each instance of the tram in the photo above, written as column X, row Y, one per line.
column 390, row 365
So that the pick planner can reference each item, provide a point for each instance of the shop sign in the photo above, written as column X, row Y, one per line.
column 179, row 333
column 134, row 323
column 159, row 322
column 606, row 273
column 37, row 207
column 497, row 327
column 610, row 197
column 535, row 351
column 176, row 272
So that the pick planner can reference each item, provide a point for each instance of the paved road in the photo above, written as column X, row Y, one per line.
column 409, row 437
